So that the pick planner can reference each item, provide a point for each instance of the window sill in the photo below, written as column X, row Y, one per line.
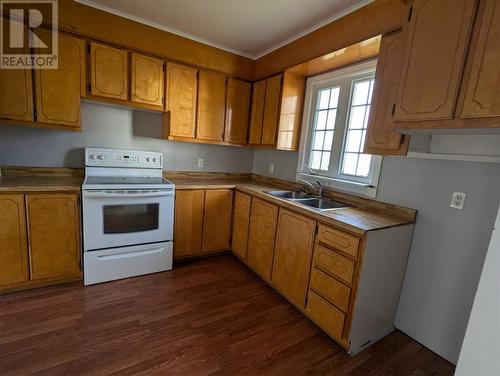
column 340, row 185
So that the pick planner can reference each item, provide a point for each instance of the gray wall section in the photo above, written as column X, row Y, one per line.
column 105, row 126
column 285, row 163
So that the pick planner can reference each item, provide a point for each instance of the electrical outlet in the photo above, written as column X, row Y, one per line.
column 458, row 200
column 271, row 168
column 200, row 162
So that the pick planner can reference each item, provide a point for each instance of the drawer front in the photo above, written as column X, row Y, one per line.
column 334, row 264
column 330, row 289
column 326, row 316
column 338, row 239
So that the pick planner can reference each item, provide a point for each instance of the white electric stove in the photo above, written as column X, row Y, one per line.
column 128, row 215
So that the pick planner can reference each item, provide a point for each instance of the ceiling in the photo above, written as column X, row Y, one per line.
column 250, row 28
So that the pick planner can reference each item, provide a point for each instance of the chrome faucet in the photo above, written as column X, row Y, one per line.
column 319, row 186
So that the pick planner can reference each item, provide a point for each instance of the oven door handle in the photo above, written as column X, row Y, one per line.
column 128, row 194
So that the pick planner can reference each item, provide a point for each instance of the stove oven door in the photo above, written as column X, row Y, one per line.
column 117, row 218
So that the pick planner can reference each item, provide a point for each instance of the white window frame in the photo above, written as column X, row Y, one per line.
column 333, row 178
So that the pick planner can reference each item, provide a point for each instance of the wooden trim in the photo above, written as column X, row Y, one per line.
column 36, row 124
column 41, row 171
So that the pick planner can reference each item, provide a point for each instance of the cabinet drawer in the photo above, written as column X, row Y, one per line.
column 338, row 239
column 330, row 289
column 326, row 316
column 333, row 264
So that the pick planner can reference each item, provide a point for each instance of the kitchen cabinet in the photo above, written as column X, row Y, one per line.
column 271, row 110
column 211, row 106
column 13, row 241
column 181, row 92
column 188, row 222
column 381, row 139
column 481, row 83
column 241, row 223
column 261, row 237
column 237, row 108
column 54, row 233
column 293, row 255
column 257, row 112
column 438, row 36
column 108, row 72
column 146, row 82
column 217, row 219
column 58, row 91
column 16, row 94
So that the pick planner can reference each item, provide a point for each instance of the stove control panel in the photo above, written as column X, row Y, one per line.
column 97, row 157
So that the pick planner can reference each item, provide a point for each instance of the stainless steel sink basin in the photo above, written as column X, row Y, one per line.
column 314, row 202
column 321, row 203
column 292, row 195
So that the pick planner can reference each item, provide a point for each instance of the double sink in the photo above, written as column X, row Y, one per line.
column 311, row 201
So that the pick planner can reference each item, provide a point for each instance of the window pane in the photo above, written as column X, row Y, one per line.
column 350, row 162
column 332, row 115
column 334, row 97
column 371, row 92
column 324, row 97
column 353, row 141
column 357, row 117
column 361, row 90
column 315, row 160
column 328, row 141
column 325, row 161
column 318, row 140
column 321, row 120
column 364, row 165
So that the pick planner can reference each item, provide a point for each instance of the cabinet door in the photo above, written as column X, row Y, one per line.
column 482, row 89
column 381, row 138
column 146, row 84
column 58, row 91
column 237, row 106
column 438, row 35
column 241, row 222
column 108, row 71
column 292, row 256
column 292, row 104
column 262, row 233
column 271, row 110
column 217, row 219
column 182, row 86
column 13, row 241
column 258, row 98
column 188, row 222
column 54, row 235
column 211, row 106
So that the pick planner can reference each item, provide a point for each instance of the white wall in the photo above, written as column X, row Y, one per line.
column 105, row 126
column 481, row 347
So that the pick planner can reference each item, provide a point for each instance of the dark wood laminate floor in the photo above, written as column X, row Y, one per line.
column 209, row 317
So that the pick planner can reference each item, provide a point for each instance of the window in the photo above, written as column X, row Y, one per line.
column 337, row 110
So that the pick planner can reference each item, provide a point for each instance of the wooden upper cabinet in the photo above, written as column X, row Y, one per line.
column 54, row 233
column 271, row 110
column 182, row 84
column 237, row 108
column 381, row 139
column 262, row 233
column 211, row 106
column 290, row 118
column 438, row 35
column 16, row 92
column 482, row 86
column 293, row 255
column 241, row 222
column 58, row 91
column 146, row 83
column 108, row 71
column 257, row 114
column 188, row 222
column 13, row 241
column 217, row 219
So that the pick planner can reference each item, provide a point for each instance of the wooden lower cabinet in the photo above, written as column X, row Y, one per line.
column 13, row 241
column 241, row 223
column 261, row 237
column 188, row 223
column 54, row 233
column 217, row 220
column 293, row 255
column 329, row 318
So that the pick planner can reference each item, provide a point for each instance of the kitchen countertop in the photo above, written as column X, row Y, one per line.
column 40, row 184
column 357, row 220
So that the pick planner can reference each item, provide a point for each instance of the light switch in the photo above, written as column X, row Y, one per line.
column 458, row 200
column 271, row 168
column 200, row 162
